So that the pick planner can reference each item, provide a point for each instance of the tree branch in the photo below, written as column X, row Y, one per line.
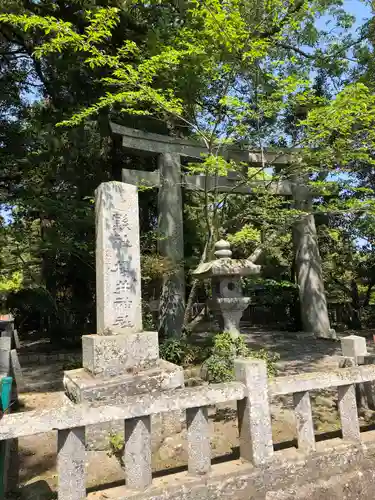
column 287, row 46
column 280, row 25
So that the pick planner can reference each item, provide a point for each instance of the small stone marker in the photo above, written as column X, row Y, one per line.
column 353, row 346
column 354, row 350
column 118, row 269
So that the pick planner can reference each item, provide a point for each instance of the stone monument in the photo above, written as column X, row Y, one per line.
column 226, row 274
column 121, row 359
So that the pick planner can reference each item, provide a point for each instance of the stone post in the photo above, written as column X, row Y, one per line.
column 254, row 417
column 199, row 447
column 171, row 245
column 348, row 413
column 137, row 452
column 354, row 351
column 304, row 421
column 71, row 458
column 314, row 311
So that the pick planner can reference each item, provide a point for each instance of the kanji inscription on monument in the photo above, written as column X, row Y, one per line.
column 118, row 270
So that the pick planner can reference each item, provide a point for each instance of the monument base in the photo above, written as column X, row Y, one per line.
column 123, row 353
column 82, row 386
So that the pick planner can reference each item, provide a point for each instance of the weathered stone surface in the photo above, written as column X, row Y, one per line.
column 336, row 471
column 354, row 351
column 137, row 453
column 227, row 296
column 82, row 386
column 171, row 241
column 5, row 361
column 71, row 459
column 368, row 387
column 320, row 380
column 314, row 311
column 158, row 143
column 148, row 403
column 171, row 245
column 118, row 271
column 16, row 339
column 105, row 389
column 227, row 267
column 254, row 418
column 232, row 310
column 305, row 426
column 116, row 354
column 16, row 370
column 353, row 485
column 348, row 413
column 198, row 435
column 164, row 425
column 6, row 343
column 353, row 346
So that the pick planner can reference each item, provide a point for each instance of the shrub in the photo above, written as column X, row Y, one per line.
column 219, row 366
column 181, row 352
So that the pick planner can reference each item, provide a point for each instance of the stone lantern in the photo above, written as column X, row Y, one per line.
column 226, row 273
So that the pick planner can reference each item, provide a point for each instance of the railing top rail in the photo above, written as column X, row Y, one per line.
column 321, row 380
column 35, row 422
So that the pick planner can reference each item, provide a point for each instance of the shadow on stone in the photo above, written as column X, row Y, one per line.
column 39, row 490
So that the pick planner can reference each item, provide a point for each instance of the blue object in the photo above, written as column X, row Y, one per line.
column 6, row 392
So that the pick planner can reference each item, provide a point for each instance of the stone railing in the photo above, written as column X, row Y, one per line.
column 251, row 389
column 300, row 386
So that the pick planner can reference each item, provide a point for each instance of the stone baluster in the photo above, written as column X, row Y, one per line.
column 304, row 421
column 71, row 457
column 199, row 447
column 137, row 453
column 254, row 417
column 354, row 350
column 349, row 413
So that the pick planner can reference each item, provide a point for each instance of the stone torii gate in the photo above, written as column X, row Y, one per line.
column 169, row 180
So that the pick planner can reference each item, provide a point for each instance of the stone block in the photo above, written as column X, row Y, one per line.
column 353, row 346
column 254, row 416
column 199, row 447
column 82, row 386
column 137, row 453
column 16, row 370
column 71, row 458
column 118, row 267
column 5, row 361
column 304, row 421
column 116, row 354
column 348, row 413
column 5, row 343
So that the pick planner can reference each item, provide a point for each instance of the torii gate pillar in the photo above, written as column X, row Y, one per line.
column 308, row 264
column 171, row 244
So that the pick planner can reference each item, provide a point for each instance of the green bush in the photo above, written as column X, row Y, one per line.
column 181, row 352
column 219, row 366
